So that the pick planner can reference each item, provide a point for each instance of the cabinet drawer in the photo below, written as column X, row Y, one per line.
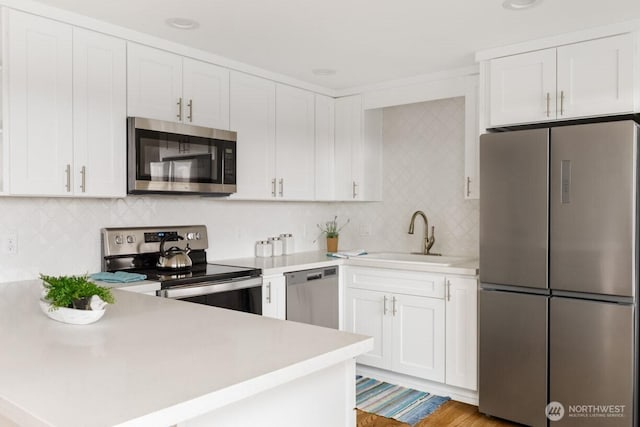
column 401, row 282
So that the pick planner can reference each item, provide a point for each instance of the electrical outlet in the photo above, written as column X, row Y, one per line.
column 10, row 245
column 365, row 230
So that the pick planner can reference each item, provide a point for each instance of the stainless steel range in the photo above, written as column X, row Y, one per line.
column 176, row 257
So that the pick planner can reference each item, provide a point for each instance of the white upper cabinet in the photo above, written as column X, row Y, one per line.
column 596, row 77
column 276, row 131
column 295, row 146
column 253, row 117
column 154, row 79
column 348, row 148
column 40, row 112
column 67, row 96
column 325, row 155
column 523, row 88
column 206, row 93
column 166, row 86
column 584, row 79
column 99, row 115
column 358, row 151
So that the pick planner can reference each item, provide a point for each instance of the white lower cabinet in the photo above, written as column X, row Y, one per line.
column 417, row 327
column 462, row 332
column 274, row 296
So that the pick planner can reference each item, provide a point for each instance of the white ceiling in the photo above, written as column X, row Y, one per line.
column 366, row 41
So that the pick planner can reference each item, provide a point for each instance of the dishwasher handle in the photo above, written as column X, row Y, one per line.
column 314, row 276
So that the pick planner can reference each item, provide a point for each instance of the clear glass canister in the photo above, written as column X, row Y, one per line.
column 287, row 243
column 264, row 249
column 277, row 245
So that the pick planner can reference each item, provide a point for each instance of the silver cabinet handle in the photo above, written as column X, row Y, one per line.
column 273, row 187
column 468, row 186
column 393, row 305
column 281, row 187
column 68, row 172
column 355, row 190
column 561, row 102
column 548, row 104
column 269, row 293
column 83, row 183
column 179, row 104
column 190, row 105
column 384, row 306
column 448, row 290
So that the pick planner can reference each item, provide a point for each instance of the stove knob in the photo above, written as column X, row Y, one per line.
column 197, row 236
column 131, row 239
column 118, row 239
column 190, row 236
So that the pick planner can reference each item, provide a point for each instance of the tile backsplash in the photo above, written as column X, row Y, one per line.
column 423, row 153
column 62, row 236
column 423, row 170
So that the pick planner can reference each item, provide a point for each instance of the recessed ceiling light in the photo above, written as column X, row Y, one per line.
column 323, row 71
column 520, row 4
column 182, row 23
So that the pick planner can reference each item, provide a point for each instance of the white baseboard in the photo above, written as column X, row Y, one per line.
column 455, row 393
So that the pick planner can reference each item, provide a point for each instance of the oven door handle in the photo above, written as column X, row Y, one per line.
column 207, row 288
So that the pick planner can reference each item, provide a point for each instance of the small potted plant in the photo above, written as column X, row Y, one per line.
column 74, row 299
column 332, row 231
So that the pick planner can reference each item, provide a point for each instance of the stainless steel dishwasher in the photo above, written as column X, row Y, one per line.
column 312, row 296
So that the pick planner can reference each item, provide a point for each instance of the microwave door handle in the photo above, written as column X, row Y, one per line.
column 207, row 288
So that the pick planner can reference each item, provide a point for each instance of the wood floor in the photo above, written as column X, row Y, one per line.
column 451, row 413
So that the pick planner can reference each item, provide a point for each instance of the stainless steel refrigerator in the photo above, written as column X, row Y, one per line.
column 558, row 273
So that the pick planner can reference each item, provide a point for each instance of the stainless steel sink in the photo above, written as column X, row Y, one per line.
column 415, row 258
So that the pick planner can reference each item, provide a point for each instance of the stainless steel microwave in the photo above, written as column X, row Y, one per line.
column 176, row 158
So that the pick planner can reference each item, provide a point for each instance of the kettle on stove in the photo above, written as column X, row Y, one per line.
column 174, row 258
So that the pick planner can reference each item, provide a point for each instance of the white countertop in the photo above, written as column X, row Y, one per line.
column 148, row 361
column 309, row 260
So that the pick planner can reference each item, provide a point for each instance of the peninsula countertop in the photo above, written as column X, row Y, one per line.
column 148, row 361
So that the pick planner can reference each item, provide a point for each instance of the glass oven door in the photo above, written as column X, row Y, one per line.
column 241, row 295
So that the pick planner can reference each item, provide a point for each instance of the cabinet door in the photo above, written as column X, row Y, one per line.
column 40, row 97
column 368, row 313
column 154, row 79
column 253, row 116
column 523, row 88
column 274, row 297
column 596, row 77
column 295, row 147
column 348, row 150
column 99, row 114
column 418, row 336
column 462, row 332
column 206, row 94
column 325, row 131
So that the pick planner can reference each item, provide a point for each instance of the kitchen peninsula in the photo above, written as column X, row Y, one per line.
column 158, row 362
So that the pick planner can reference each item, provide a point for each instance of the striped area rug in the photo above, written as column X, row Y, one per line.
column 392, row 401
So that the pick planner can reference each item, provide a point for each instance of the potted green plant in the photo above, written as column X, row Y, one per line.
column 73, row 299
column 332, row 231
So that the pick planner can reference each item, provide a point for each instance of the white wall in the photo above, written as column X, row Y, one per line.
column 423, row 152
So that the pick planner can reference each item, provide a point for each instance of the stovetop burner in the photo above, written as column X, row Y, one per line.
column 199, row 273
column 136, row 250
